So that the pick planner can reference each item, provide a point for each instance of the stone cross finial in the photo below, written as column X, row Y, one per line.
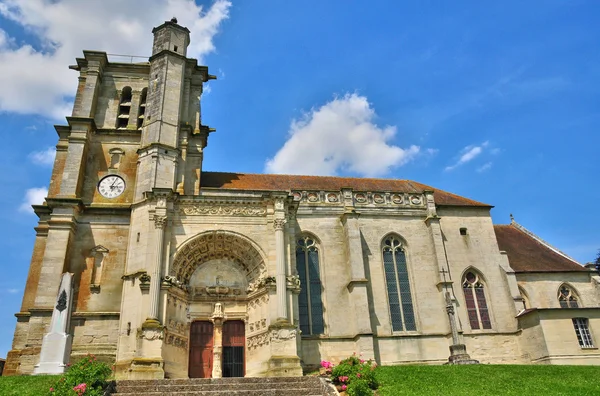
column 512, row 218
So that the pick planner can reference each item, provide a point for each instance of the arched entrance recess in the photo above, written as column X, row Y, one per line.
column 221, row 288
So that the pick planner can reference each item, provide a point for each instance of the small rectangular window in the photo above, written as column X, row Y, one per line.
column 463, row 231
column 583, row 332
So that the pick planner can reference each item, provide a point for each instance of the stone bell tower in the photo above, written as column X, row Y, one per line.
column 169, row 166
column 172, row 136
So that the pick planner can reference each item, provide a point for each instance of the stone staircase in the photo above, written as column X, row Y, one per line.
column 271, row 386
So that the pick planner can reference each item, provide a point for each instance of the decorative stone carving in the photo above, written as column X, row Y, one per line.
column 397, row 199
column 283, row 334
column 150, row 334
column 145, row 281
column 297, row 196
column 293, row 282
column 279, row 204
column 415, row 200
column 312, row 197
column 224, row 210
column 261, row 282
column 331, row 197
column 160, row 221
column 279, row 224
column 176, row 341
column 378, row 198
column 214, row 245
column 360, row 198
column 173, row 281
column 258, row 340
column 62, row 301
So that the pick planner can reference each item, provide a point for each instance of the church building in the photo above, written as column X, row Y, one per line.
column 168, row 271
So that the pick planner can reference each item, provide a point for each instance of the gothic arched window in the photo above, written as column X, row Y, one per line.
column 310, row 304
column 402, row 313
column 567, row 297
column 479, row 316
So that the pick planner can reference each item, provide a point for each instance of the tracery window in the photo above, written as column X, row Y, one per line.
column 402, row 313
column 582, row 331
column 567, row 297
column 310, row 304
column 473, row 288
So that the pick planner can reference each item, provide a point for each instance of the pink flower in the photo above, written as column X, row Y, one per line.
column 357, row 375
column 344, row 387
column 343, row 378
column 80, row 389
column 51, row 389
column 362, row 361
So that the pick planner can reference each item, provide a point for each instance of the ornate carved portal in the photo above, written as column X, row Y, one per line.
column 217, row 307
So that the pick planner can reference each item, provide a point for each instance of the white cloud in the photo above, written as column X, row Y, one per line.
column 468, row 154
column 12, row 291
column 26, row 88
column 340, row 135
column 206, row 89
column 44, row 157
column 484, row 167
column 33, row 196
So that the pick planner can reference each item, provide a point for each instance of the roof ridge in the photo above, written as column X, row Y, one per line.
column 298, row 175
column 524, row 230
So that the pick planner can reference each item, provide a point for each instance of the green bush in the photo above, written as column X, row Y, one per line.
column 87, row 377
column 355, row 375
column 359, row 387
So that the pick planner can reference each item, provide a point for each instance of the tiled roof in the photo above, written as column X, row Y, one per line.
column 528, row 253
column 260, row 182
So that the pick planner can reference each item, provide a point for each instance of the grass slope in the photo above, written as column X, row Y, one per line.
column 488, row 380
column 26, row 385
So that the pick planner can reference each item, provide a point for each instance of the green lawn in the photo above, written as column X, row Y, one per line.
column 34, row 385
column 486, row 380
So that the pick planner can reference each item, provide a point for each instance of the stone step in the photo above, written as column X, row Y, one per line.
column 211, row 387
column 265, row 392
column 220, row 381
column 271, row 386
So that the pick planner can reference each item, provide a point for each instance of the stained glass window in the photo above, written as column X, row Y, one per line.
column 567, row 297
column 310, row 304
column 477, row 309
column 402, row 313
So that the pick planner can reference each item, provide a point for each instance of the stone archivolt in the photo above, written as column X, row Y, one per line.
column 214, row 245
column 224, row 210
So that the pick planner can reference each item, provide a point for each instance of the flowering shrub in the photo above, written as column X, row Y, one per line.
column 88, row 377
column 354, row 375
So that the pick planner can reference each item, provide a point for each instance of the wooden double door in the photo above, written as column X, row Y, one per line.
column 202, row 347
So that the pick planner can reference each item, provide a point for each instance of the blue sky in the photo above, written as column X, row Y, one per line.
column 495, row 101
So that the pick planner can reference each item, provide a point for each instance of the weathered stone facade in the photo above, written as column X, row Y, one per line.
column 180, row 246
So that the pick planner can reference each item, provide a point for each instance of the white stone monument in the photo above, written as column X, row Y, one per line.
column 56, row 345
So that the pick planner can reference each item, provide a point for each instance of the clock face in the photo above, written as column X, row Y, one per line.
column 111, row 186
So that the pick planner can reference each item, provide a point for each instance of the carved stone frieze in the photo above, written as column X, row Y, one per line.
column 151, row 334
column 260, row 282
column 283, row 334
column 258, row 340
column 346, row 196
column 223, row 210
column 214, row 291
